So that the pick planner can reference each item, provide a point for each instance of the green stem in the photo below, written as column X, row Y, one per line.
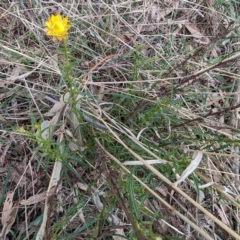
column 69, row 79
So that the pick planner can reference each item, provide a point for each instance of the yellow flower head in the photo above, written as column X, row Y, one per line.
column 57, row 27
column 21, row 130
column 36, row 126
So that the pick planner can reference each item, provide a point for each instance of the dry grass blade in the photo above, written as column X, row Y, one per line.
column 9, row 213
column 191, row 168
column 36, row 198
column 219, row 188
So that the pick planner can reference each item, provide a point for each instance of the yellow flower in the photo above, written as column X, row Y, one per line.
column 36, row 126
column 57, row 27
column 21, row 130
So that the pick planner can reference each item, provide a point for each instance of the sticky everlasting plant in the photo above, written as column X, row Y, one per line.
column 57, row 27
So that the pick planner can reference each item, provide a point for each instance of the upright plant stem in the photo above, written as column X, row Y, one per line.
column 69, row 79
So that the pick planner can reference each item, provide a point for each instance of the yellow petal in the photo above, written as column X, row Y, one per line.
column 54, row 18
column 68, row 27
column 65, row 20
column 48, row 24
column 58, row 17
